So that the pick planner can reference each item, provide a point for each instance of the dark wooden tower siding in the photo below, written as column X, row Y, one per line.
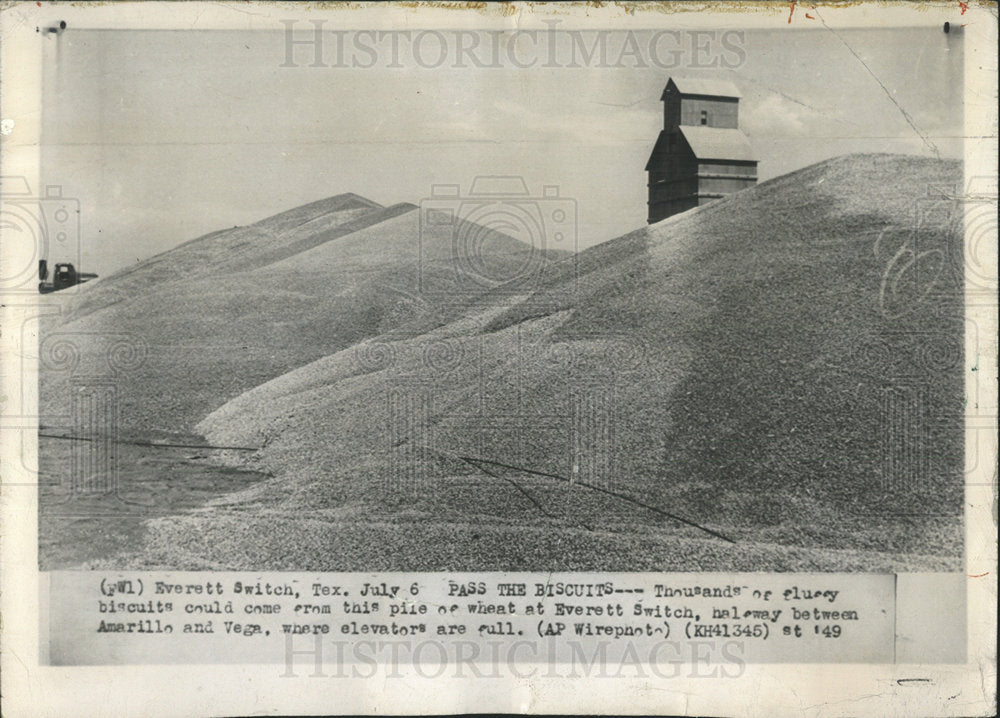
column 701, row 154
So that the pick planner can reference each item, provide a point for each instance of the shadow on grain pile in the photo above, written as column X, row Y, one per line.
column 742, row 352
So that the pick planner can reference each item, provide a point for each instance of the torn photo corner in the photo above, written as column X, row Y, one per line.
column 410, row 358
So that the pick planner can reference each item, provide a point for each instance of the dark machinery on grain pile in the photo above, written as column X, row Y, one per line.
column 63, row 276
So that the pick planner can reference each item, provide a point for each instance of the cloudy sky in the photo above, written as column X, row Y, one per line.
column 167, row 135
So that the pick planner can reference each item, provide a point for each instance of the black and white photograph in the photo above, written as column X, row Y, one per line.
column 510, row 291
column 612, row 312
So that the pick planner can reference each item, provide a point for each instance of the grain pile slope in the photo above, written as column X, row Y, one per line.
column 758, row 366
column 225, row 313
column 217, row 252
